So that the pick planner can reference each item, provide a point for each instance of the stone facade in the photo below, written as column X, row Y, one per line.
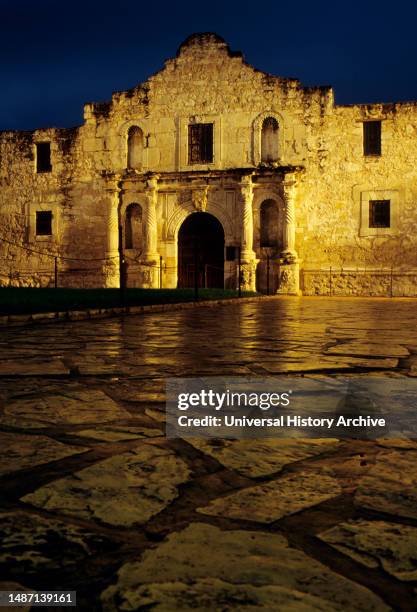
column 280, row 166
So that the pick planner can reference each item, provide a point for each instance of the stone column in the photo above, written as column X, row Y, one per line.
column 289, row 272
column 111, row 264
column 248, row 256
column 289, row 186
column 150, row 273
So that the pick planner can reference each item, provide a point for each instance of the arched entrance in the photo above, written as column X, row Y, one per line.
column 201, row 251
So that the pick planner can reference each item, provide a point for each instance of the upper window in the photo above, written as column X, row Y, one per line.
column 269, row 140
column 134, row 147
column 200, row 143
column 43, row 157
column 44, row 223
column 379, row 213
column 372, row 138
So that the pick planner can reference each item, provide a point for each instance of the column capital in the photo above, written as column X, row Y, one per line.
column 289, row 184
column 152, row 182
column 113, row 183
column 291, row 180
column 246, row 186
column 246, row 179
column 113, row 191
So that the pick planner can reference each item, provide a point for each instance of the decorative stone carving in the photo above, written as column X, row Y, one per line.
column 317, row 140
column 289, row 273
column 289, row 279
column 246, row 189
column 289, row 186
column 199, row 198
column 113, row 192
column 111, row 263
column 184, row 197
column 150, row 223
column 248, row 276
column 147, row 277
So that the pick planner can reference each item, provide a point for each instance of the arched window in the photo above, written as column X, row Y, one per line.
column 269, row 224
column 269, row 140
column 134, row 147
column 133, row 227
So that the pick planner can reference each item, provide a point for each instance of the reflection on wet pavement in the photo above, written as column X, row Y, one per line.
column 143, row 521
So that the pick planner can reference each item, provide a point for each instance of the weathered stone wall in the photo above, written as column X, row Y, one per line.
column 359, row 282
column 90, row 186
column 206, row 83
column 77, row 202
column 339, row 179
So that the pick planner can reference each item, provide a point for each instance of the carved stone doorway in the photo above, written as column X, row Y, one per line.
column 201, row 251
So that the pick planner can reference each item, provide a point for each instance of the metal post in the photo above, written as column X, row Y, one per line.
column 391, row 282
column 267, row 275
column 124, row 279
column 195, row 270
column 56, row 272
column 239, row 266
column 330, row 286
column 160, row 271
column 121, row 267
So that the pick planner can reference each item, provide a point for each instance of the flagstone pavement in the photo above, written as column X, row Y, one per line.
column 94, row 497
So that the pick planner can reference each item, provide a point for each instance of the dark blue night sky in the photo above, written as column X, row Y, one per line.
column 55, row 55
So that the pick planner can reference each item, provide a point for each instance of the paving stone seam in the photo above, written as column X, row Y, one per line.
column 379, row 590
column 364, row 581
column 128, row 536
column 185, row 451
column 45, row 473
column 343, row 565
column 388, row 588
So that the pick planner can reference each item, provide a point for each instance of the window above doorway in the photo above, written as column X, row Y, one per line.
column 200, row 143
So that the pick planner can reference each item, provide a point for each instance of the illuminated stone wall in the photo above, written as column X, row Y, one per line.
column 332, row 206
column 321, row 183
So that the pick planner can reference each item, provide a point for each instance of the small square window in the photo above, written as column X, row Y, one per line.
column 379, row 213
column 43, row 157
column 372, row 138
column 200, row 143
column 44, row 223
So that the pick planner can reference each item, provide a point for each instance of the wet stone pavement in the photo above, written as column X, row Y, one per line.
column 95, row 499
